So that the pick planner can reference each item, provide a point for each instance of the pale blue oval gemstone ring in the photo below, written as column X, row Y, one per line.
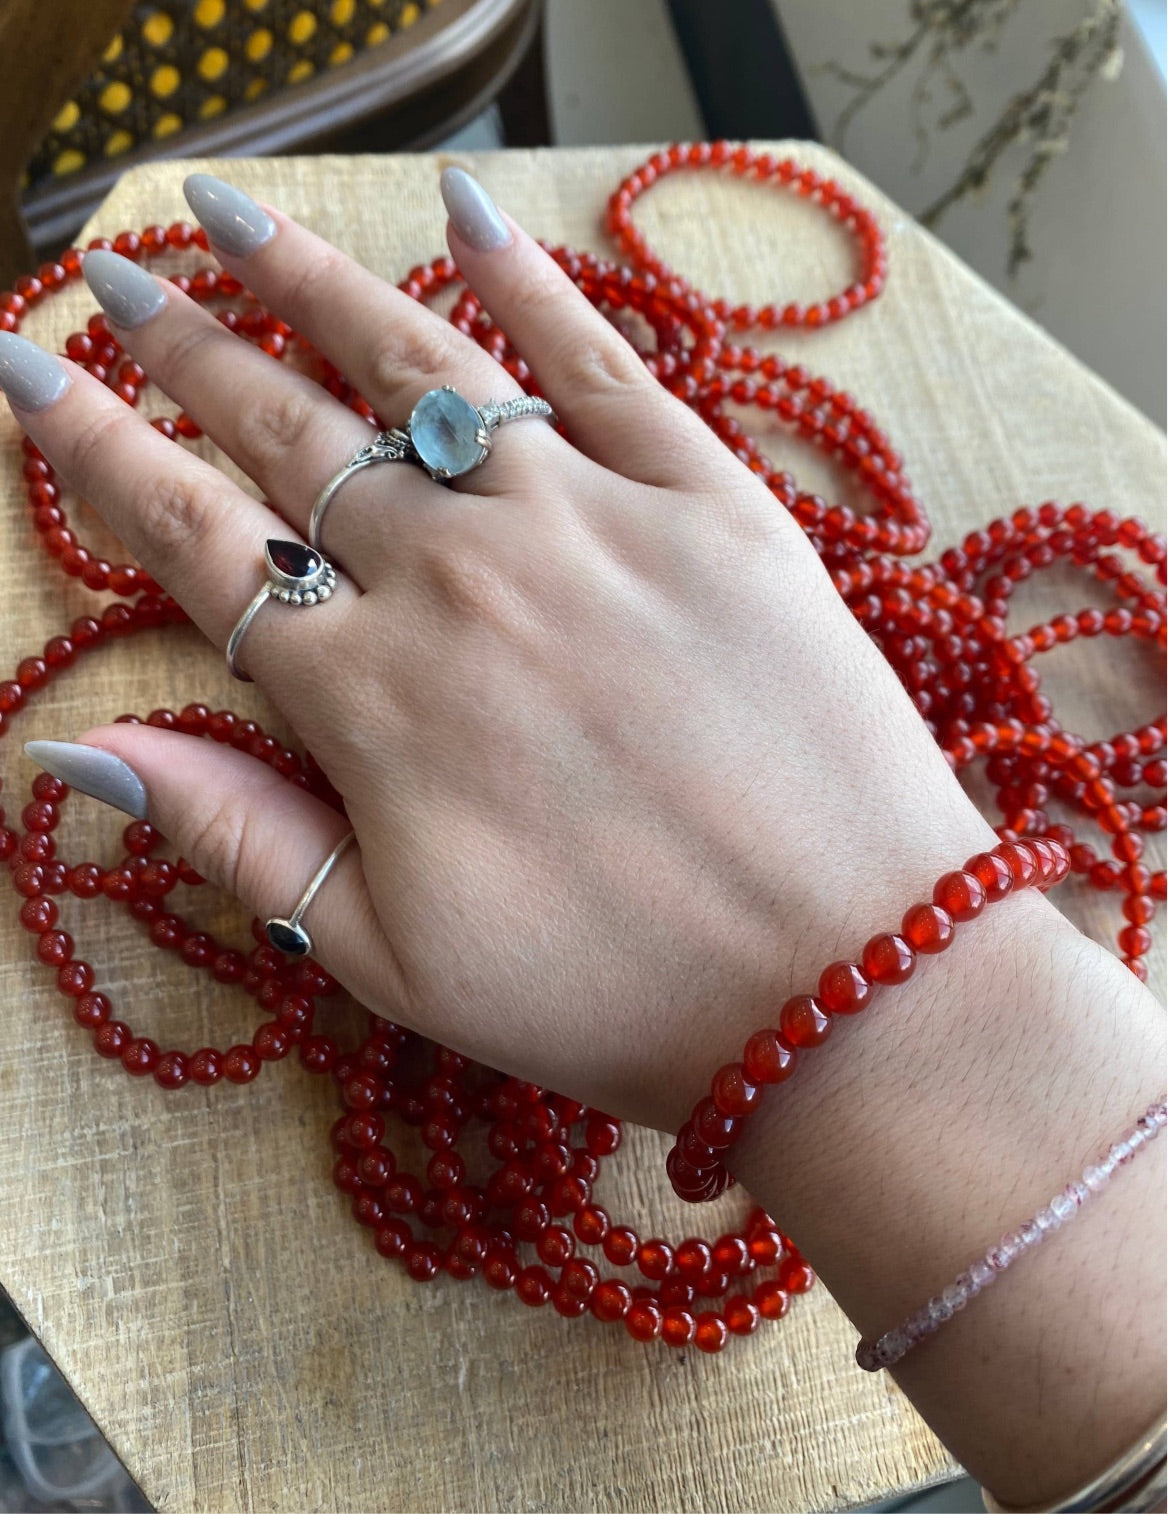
column 446, row 435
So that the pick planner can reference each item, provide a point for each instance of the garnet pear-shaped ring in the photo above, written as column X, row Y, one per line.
column 445, row 434
column 297, row 575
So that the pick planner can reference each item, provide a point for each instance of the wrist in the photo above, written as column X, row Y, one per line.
column 941, row 1117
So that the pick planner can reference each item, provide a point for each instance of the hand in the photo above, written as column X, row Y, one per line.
column 623, row 770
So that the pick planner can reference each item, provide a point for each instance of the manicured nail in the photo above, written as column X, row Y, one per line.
column 128, row 294
column 92, row 771
column 31, row 377
column 230, row 218
column 470, row 207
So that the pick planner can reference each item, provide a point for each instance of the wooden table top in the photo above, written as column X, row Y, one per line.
column 185, row 1258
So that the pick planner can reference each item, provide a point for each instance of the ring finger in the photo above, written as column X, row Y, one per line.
column 389, row 345
column 288, row 434
column 198, row 534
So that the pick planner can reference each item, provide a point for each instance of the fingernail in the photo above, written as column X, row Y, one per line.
column 474, row 213
column 31, row 377
column 91, row 771
column 230, row 218
column 128, row 294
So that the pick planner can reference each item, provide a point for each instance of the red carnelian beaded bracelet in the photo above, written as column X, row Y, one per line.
column 527, row 1223
column 697, row 1163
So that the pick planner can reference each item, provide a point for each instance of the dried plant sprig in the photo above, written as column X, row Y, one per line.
column 1040, row 115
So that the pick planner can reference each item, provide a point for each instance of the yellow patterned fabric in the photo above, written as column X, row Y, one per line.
column 187, row 61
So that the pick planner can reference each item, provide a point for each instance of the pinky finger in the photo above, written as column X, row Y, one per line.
column 247, row 830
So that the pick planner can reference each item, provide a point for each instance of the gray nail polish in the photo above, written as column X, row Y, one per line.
column 128, row 294
column 31, row 377
column 470, row 207
column 92, row 771
column 230, row 218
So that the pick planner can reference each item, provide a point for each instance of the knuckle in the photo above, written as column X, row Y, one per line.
column 590, row 352
column 276, row 424
column 469, row 587
column 91, row 441
column 218, row 844
column 314, row 274
column 602, row 365
column 185, row 347
column 402, row 358
column 173, row 514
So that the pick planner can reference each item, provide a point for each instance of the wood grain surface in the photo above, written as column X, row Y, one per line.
column 184, row 1256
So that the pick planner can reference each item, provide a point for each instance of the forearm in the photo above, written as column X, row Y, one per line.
column 946, row 1114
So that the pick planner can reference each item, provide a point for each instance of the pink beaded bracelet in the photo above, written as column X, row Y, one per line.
column 896, row 1343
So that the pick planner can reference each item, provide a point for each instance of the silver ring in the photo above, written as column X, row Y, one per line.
column 445, row 434
column 288, row 935
column 297, row 575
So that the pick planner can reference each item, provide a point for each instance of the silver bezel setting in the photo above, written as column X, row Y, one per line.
column 303, row 589
column 482, row 436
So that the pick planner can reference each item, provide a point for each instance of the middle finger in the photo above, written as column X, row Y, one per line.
column 287, row 433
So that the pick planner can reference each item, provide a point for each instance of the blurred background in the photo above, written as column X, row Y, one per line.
column 1029, row 136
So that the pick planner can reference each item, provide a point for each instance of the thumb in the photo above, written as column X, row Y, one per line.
column 246, row 829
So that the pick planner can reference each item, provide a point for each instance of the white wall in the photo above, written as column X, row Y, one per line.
column 1097, row 281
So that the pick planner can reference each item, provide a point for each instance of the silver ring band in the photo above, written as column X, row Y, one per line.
column 297, row 575
column 446, row 435
column 386, row 447
column 287, row 935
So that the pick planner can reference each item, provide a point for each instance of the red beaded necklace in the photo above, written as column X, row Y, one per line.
column 942, row 626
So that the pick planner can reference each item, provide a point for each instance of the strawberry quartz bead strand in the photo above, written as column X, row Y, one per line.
column 696, row 1164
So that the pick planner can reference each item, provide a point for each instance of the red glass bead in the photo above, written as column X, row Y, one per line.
column 742, row 1317
column 74, row 979
column 844, row 988
column 568, row 1304
column 927, row 928
column 993, row 872
column 794, row 1275
column 556, row 1246
column 611, row 1300
column 644, row 1320
column 678, row 1327
column 771, row 1301
column 534, row 1286
column 92, row 1010
column 888, row 959
column 732, row 1092
column 767, row 1059
column 730, row 1255
column 765, row 1247
column 140, row 1057
column 206, row 1066
column 391, row 1239
column 655, row 1259
column 692, row 1259
column 111, row 1038
column 172, row 1070
column 710, row 1332
column 602, row 1136
column 960, row 894
column 241, row 1064
column 579, row 1278
column 423, row 1260
column 1021, row 861
column 38, row 913
column 803, row 1022
column 715, row 1129
column 620, row 1245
